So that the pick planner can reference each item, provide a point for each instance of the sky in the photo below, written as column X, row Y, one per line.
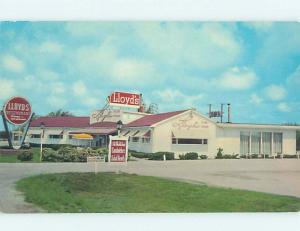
column 255, row 66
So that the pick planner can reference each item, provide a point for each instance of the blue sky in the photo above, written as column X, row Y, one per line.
column 75, row 65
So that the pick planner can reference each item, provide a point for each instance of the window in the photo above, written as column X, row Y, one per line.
column 189, row 141
column 245, row 143
column 36, row 136
column 70, row 137
column 145, row 140
column 55, row 136
column 277, row 142
column 255, row 142
column 135, row 139
column 204, row 141
column 266, row 142
column 174, row 141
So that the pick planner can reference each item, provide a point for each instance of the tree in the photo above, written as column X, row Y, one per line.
column 152, row 108
column 60, row 112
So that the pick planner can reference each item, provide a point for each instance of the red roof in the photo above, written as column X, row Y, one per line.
column 70, row 121
column 149, row 120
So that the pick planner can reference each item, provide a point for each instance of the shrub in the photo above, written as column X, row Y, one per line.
column 160, row 156
column 219, row 153
column 181, row 157
column 50, row 155
column 254, row 156
column 228, row 156
column 289, row 156
column 203, row 157
column 191, row 156
column 53, row 146
column 25, row 156
column 139, row 154
column 65, row 154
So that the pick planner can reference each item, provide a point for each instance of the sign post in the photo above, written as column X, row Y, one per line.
column 118, row 149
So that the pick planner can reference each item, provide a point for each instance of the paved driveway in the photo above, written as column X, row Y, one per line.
column 272, row 176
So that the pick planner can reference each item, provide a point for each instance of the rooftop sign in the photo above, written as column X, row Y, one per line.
column 124, row 99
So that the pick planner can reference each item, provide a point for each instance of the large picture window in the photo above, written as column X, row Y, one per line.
column 245, row 143
column 255, row 142
column 277, row 142
column 266, row 142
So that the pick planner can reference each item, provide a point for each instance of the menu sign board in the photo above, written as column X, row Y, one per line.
column 118, row 149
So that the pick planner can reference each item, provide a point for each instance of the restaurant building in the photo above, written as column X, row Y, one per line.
column 179, row 132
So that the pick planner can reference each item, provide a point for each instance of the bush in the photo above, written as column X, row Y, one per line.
column 50, row 155
column 219, row 153
column 289, row 156
column 139, row 154
column 191, row 156
column 181, row 157
column 25, row 156
column 52, row 146
column 203, row 157
column 65, row 154
column 160, row 156
column 233, row 156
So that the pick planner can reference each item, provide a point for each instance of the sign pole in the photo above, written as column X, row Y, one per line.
column 7, row 130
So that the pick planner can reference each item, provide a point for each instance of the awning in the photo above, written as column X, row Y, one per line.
column 190, row 134
column 100, row 131
column 83, row 136
column 126, row 133
column 135, row 133
column 147, row 134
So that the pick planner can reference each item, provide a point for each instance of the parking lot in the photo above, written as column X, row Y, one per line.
column 279, row 176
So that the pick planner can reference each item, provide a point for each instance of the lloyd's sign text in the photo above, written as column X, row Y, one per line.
column 125, row 99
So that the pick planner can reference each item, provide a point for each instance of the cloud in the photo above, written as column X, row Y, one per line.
column 79, row 88
column 259, row 26
column 58, row 88
column 12, row 63
column 91, row 101
column 51, row 47
column 284, row 107
column 255, row 99
column 56, row 101
column 275, row 92
column 237, row 79
column 294, row 78
column 131, row 71
column 170, row 97
column 202, row 46
column 7, row 89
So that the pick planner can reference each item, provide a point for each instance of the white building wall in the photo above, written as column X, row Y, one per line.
column 229, row 139
column 187, row 125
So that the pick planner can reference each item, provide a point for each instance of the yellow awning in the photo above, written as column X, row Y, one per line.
column 83, row 136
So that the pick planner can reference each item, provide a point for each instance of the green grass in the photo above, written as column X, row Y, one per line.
column 12, row 158
column 110, row 192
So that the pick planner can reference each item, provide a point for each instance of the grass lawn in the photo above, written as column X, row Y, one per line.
column 12, row 158
column 110, row 192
